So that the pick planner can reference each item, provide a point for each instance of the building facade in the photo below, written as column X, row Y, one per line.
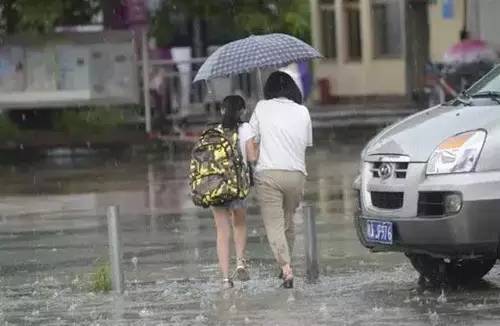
column 365, row 42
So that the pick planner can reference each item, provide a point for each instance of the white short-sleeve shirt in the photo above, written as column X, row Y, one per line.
column 283, row 129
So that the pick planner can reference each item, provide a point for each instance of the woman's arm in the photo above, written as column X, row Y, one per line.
column 252, row 149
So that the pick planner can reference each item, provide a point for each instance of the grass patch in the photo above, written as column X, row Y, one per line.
column 93, row 121
column 101, row 278
column 8, row 129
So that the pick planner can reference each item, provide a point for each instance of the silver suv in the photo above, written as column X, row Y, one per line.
column 429, row 186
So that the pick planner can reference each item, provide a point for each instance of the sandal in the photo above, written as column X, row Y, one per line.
column 241, row 271
column 227, row 284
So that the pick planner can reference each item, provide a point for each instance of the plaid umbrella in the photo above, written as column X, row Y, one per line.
column 255, row 52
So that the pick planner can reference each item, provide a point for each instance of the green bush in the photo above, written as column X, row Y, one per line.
column 101, row 279
column 90, row 121
column 7, row 128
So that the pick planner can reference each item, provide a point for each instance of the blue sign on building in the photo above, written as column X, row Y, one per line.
column 448, row 9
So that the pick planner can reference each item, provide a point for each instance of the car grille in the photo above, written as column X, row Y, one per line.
column 431, row 204
column 387, row 200
column 400, row 169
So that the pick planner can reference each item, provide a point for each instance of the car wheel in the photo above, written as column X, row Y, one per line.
column 462, row 271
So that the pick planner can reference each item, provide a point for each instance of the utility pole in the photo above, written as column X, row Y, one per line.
column 198, row 46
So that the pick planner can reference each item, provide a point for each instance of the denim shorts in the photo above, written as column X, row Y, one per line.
column 234, row 204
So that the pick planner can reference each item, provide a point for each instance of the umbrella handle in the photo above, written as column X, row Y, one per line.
column 260, row 85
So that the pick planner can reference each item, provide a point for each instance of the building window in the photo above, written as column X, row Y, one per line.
column 353, row 29
column 387, row 28
column 328, row 30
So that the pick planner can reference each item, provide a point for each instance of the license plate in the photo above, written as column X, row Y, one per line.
column 379, row 231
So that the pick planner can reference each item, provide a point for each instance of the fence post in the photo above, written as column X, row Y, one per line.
column 145, row 79
column 115, row 249
column 311, row 248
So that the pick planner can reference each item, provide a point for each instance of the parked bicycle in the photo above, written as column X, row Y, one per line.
column 445, row 82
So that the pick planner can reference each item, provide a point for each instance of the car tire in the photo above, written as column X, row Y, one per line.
column 463, row 271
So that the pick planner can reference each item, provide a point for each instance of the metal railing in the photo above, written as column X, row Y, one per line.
column 174, row 97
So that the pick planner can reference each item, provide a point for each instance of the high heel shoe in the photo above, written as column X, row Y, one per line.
column 287, row 281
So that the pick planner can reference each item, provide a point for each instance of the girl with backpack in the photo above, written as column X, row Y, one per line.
column 220, row 179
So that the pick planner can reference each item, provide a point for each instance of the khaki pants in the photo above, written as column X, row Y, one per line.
column 280, row 193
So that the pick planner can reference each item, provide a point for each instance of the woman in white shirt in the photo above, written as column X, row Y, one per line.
column 234, row 212
column 282, row 127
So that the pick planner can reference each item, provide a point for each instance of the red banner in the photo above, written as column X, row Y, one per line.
column 137, row 12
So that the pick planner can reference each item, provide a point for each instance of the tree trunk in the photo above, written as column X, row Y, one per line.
column 198, row 45
column 417, row 46
column 11, row 17
column 113, row 14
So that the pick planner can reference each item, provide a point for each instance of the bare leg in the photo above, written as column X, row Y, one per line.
column 240, row 231
column 240, row 243
column 221, row 216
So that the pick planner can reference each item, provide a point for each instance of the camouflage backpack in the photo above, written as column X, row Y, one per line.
column 217, row 171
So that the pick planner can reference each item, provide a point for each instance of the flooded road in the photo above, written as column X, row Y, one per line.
column 53, row 236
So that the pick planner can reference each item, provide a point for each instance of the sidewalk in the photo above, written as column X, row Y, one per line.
column 347, row 115
column 337, row 115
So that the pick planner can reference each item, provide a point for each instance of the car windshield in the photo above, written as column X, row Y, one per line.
column 490, row 83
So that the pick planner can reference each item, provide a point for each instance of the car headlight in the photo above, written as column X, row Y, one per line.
column 457, row 154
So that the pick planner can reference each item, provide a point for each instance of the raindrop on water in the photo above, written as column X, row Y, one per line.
column 175, row 319
column 324, row 310
column 76, row 281
column 233, row 309
column 72, row 307
column 201, row 319
column 145, row 313
column 442, row 298
column 434, row 318
column 135, row 262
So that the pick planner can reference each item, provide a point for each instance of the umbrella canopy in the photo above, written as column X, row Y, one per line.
column 255, row 52
column 469, row 51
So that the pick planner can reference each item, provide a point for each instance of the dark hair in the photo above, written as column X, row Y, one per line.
column 281, row 84
column 232, row 106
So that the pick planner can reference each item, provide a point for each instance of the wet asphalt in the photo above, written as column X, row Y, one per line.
column 53, row 236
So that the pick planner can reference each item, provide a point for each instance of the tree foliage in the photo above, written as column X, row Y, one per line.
column 44, row 15
column 287, row 16
column 236, row 17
